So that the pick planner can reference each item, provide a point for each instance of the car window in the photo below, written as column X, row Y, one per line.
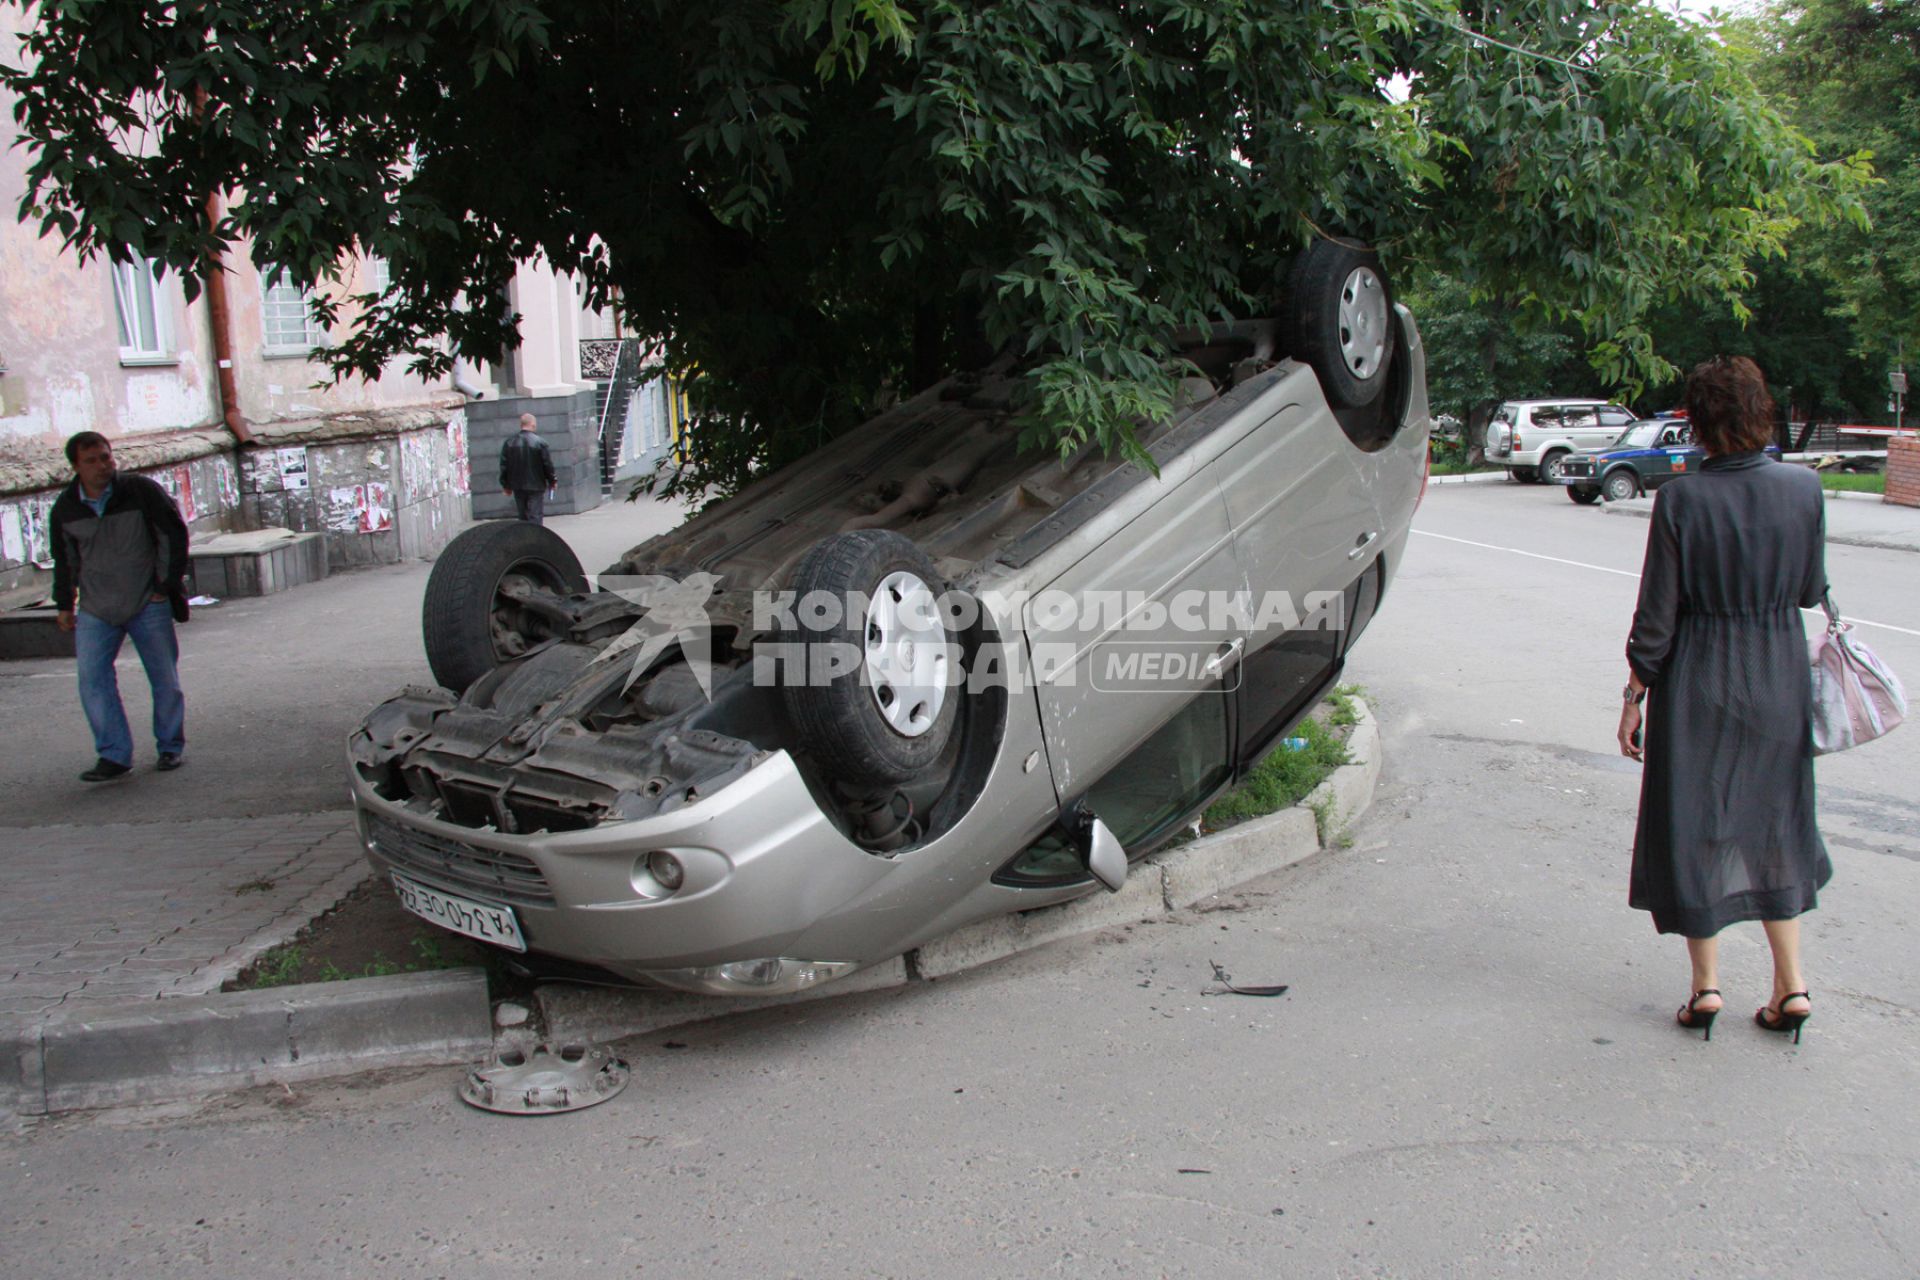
column 1503, row 414
column 1546, row 418
column 1639, row 436
column 1579, row 418
column 1143, row 796
column 1614, row 417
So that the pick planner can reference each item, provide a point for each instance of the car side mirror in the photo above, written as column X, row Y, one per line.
column 1105, row 856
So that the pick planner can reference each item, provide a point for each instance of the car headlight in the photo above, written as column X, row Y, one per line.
column 772, row 976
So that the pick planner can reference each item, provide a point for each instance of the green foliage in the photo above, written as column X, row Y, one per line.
column 823, row 204
column 1849, row 74
column 1282, row 779
column 279, row 967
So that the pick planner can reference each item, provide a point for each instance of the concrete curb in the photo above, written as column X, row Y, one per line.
column 1472, row 477
column 1168, row 881
column 142, row 1051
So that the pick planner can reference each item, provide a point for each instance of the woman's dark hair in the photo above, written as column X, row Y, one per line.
column 1728, row 405
column 82, row 440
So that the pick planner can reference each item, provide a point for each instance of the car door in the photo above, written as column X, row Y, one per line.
column 1143, row 625
column 1676, row 456
column 1304, row 522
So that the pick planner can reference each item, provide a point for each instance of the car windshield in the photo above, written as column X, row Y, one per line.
column 1641, row 435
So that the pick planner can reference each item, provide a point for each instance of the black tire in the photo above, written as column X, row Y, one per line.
column 458, row 617
column 1550, row 465
column 842, row 721
column 1525, row 475
column 1340, row 320
column 1584, row 494
column 1620, row 485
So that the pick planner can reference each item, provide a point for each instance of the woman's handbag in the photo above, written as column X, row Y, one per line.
column 1856, row 697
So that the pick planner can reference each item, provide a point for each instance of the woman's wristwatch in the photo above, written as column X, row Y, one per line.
column 1630, row 694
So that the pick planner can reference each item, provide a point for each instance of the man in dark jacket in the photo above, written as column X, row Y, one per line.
column 120, row 545
column 526, row 471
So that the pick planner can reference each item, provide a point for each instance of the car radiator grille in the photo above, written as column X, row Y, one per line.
column 464, row 868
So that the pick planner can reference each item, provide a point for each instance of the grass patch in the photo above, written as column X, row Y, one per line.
column 1850, row 482
column 366, row 936
column 1285, row 777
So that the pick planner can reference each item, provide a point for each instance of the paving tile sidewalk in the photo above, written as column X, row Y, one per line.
column 155, row 910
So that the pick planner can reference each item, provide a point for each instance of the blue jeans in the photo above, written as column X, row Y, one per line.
column 96, row 644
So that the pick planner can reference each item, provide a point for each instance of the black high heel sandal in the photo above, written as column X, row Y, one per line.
column 1783, row 1021
column 1698, row 1019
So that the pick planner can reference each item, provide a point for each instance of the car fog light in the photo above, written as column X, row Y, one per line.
column 666, row 868
column 753, row 973
column 772, row 976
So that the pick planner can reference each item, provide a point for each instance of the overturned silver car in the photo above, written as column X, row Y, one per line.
column 914, row 680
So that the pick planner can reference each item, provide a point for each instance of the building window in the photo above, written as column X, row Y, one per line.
column 287, row 318
column 140, row 302
column 379, row 276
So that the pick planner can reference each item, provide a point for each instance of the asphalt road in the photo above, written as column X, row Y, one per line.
column 1474, row 1074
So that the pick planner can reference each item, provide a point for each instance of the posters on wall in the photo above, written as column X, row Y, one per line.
column 229, row 482
column 416, row 465
column 360, row 508
column 374, row 510
column 178, row 482
column 13, row 542
column 457, row 451
column 293, row 467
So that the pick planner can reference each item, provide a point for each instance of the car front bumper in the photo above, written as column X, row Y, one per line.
column 761, row 864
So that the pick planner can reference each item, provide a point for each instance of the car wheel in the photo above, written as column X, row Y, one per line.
column 482, row 606
column 1584, row 494
column 1552, row 465
column 1525, row 475
column 1620, row 486
column 1339, row 312
column 871, row 701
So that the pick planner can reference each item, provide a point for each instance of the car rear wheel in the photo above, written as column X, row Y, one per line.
column 1525, row 475
column 1340, row 322
column 1552, row 465
column 1620, row 485
column 1584, row 494
column 484, row 599
column 870, row 658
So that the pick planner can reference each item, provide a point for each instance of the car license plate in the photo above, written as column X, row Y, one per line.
column 481, row 920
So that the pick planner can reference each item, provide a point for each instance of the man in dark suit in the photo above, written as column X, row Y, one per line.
column 526, row 471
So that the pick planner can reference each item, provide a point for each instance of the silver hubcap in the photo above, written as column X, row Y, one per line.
column 1363, row 323
column 906, row 654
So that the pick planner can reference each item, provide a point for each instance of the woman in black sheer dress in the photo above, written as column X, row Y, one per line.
column 1726, row 830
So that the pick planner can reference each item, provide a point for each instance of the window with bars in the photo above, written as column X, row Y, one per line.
column 141, row 305
column 287, row 319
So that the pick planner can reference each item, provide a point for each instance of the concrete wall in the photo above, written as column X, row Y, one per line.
column 572, row 433
column 381, row 493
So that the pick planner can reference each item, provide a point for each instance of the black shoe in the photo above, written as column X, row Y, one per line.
column 105, row 770
column 170, row 760
column 1700, row 1020
column 1781, row 1020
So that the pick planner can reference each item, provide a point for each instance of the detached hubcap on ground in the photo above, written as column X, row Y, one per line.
column 906, row 654
column 1363, row 323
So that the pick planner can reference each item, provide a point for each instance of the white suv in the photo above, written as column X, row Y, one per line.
column 1532, row 437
